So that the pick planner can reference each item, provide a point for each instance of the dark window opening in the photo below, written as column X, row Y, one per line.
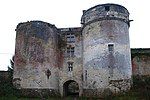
column 70, row 51
column 107, row 8
column 85, row 75
column 70, row 38
column 110, row 47
column 70, row 66
column 48, row 73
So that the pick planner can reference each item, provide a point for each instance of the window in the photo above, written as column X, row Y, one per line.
column 70, row 51
column 85, row 75
column 107, row 8
column 110, row 47
column 70, row 38
column 48, row 73
column 70, row 66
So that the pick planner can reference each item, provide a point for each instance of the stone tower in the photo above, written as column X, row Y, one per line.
column 106, row 50
column 36, row 64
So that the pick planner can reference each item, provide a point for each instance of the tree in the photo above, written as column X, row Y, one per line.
column 6, row 85
column 11, row 67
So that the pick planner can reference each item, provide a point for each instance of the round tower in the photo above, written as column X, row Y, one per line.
column 106, row 50
column 36, row 57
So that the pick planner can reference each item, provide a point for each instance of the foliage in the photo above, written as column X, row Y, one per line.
column 141, row 82
column 61, row 42
column 139, row 91
column 10, row 68
column 6, row 85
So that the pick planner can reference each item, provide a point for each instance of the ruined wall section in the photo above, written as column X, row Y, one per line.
column 141, row 62
column 71, row 37
column 36, row 62
column 106, row 50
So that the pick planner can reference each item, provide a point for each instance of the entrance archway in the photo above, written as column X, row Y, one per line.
column 71, row 88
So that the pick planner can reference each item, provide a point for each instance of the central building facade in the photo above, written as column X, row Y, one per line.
column 91, row 60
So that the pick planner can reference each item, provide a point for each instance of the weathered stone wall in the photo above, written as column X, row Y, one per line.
column 36, row 62
column 102, row 68
column 76, row 74
column 101, row 61
column 140, row 61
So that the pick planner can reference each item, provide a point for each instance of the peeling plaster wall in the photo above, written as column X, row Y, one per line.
column 76, row 74
column 35, row 54
column 41, row 60
column 103, row 69
column 141, row 62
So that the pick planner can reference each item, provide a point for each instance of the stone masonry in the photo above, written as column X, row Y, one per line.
column 95, row 57
column 141, row 61
column 106, row 50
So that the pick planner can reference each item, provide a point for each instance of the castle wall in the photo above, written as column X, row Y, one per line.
column 36, row 62
column 141, row 62
column 106, row 50
column 75, row 58
column 96, row 56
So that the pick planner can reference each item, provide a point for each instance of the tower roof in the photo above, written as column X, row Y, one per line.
column 107, row 11
column 117, row 6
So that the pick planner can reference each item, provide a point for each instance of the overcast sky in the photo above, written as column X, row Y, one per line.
column 65, row 13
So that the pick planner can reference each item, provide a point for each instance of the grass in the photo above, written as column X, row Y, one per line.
column 139, row 91
column 127, row 96
column 17, row 98
column 131, row 95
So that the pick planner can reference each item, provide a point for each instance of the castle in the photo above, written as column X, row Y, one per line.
column 91, row 60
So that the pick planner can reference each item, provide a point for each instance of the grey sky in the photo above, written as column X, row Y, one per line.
column 65, row 13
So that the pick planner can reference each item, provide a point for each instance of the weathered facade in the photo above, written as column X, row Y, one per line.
column 94, row 58
column 141, row 61
column 36, row 56
column 106, row 50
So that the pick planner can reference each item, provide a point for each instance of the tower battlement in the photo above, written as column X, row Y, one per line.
column 105, row 12
column 35, row 28
column 34, row 23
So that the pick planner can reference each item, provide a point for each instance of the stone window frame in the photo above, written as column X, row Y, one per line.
column 70, row 66
column 111, row 47
column 70, row 51
column 70, row 38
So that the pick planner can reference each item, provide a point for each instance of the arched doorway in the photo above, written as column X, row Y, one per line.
column 71, row 88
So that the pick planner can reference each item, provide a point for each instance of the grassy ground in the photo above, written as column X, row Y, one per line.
column 139, row 91
column 131, row 95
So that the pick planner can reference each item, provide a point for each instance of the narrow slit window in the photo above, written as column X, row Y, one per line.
column 110, row 47
column 85, row 75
